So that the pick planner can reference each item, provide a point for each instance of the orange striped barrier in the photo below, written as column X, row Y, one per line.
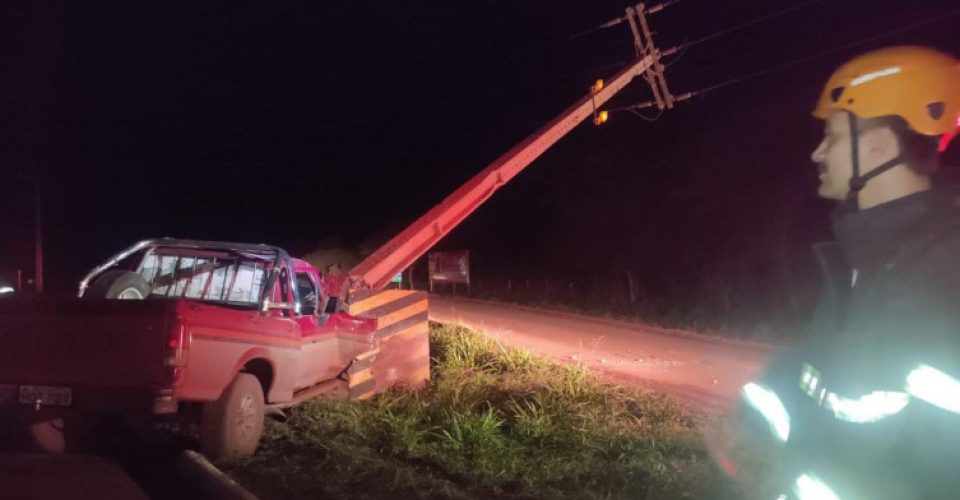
column 401, row 353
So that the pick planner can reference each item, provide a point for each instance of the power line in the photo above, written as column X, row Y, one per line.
column 922, row 22
column 618, row 64
column 609, row 24
column 794, row 62
column 645, row 117
column 553, row 81
column 683, row 50
column 659, row 103
column 751, row 22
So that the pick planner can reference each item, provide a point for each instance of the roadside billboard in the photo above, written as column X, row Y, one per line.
column 450, row 267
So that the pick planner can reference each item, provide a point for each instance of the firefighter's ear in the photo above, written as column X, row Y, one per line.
column 878, row 145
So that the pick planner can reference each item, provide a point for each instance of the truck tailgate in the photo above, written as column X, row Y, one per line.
column 83, row 343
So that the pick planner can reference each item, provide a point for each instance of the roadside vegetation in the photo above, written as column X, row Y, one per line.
column 494, row 422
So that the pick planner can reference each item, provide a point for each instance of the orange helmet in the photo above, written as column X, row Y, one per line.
column 918, row 84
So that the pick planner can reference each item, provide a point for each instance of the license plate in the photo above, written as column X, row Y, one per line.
column 45, row 395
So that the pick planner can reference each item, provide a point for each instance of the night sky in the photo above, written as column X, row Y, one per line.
column 337, row 123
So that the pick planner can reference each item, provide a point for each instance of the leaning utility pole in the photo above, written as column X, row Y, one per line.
column 400, row 252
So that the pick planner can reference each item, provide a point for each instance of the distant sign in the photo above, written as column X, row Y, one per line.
column 449, row 267
column 397, row 279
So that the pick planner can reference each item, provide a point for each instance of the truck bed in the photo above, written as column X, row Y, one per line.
column 108, row 352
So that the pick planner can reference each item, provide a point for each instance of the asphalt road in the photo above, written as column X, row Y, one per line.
column 116, row 462
column 697, row 369
column 39, row 476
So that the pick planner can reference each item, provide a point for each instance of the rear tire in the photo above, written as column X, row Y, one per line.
column 118, row 284
column 231, row 426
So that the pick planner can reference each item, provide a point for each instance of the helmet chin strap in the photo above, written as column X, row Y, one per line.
column 857, row 181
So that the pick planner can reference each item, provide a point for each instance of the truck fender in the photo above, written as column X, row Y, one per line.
column 265, row 372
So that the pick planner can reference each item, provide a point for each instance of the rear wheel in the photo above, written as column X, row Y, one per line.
column 118, row 284
column 232, row 425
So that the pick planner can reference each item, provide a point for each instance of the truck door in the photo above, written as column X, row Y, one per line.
column 320, row 358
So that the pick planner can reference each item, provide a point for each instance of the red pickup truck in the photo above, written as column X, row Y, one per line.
column 231, row 330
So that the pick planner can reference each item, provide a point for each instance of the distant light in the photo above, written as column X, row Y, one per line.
column 808, row 487
column 769, row 405
column 870, row 408
column 601, row 118
column 597, row 86
column 935, row 387
column 6, row 289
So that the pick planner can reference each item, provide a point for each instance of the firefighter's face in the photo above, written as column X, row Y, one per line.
column 833, row 158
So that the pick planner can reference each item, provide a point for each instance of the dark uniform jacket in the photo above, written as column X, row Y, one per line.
column 891, row 294
column 890, row 302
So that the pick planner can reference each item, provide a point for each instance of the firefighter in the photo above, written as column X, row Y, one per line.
column 869, row 405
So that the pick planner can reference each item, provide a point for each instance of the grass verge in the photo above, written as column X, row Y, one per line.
column 494, row 422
